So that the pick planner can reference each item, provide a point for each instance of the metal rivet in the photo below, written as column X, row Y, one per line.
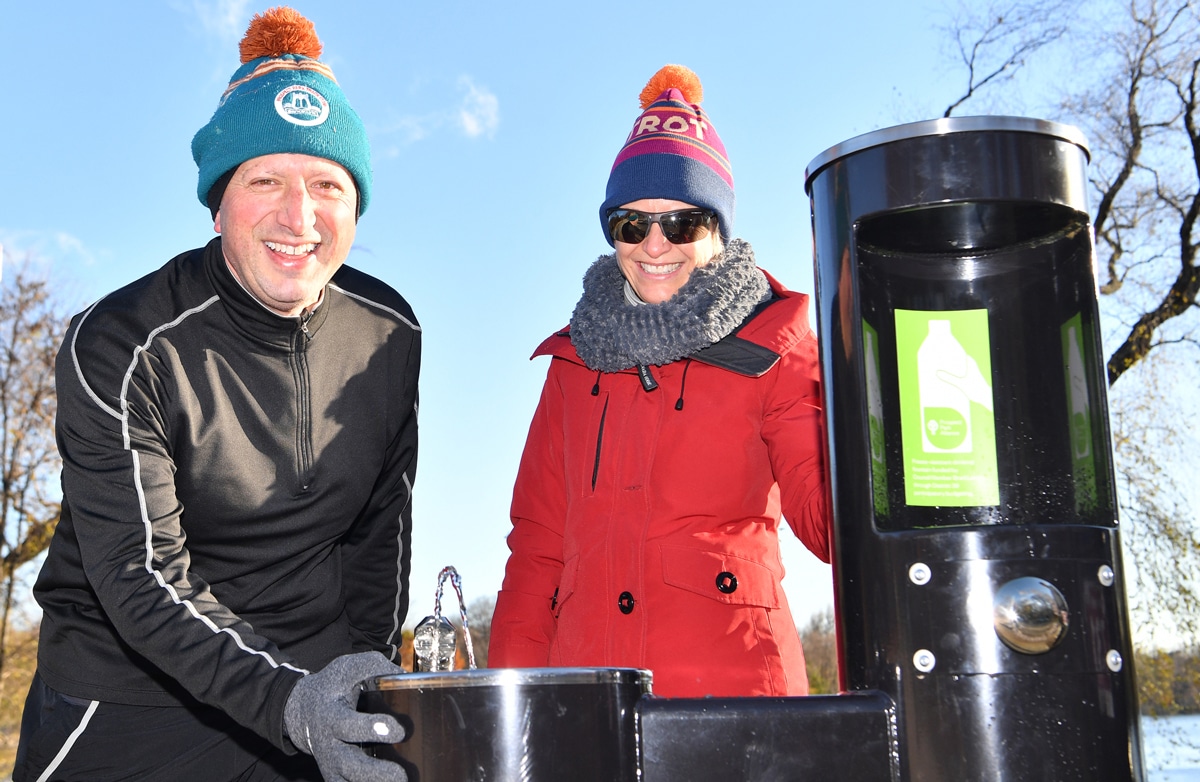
column 1114, row 661
column 1106, row 575
column 924, row 661
column 920, row 573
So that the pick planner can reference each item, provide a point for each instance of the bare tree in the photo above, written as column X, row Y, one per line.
column 819, row 639
column 1160, row 534
column 1135, row 96
column 995, row 39
column 1146, row 150
column 479, row 620
column 31, row 328
column 1127, row 76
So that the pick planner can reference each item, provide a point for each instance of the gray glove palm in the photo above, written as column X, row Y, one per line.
column 321, row 718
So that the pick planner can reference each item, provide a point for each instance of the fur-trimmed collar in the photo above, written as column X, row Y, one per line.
column 610, row 334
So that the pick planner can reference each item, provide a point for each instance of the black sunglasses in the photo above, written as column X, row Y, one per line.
column 683, row 226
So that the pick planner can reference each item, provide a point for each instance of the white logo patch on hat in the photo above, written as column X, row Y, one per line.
column 302, row 105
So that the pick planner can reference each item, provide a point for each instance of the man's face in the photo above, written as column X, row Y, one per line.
column 287, row 223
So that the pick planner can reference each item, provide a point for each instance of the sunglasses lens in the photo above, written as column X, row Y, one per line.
column 626, row 225
column 685, row 227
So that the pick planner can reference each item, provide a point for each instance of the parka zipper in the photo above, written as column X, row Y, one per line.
column 599, row 442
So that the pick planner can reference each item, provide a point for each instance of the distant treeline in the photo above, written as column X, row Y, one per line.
column 1169, row 682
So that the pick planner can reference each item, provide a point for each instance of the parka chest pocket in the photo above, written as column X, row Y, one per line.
column 721, row 576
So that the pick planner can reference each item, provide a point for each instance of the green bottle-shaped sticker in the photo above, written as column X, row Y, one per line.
column 947, row 422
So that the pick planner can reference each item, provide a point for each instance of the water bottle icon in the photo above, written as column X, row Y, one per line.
column 945, row 405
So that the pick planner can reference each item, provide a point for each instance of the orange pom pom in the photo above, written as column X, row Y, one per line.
column 278, row 31
column 668, row 76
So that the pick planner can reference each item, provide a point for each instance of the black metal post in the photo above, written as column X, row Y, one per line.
column 978, row 567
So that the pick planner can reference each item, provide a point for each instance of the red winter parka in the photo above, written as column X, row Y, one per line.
column 645, row 522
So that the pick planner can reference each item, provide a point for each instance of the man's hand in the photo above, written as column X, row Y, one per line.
column 321, row 718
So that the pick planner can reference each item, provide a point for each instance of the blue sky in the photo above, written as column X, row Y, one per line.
column 493, row 127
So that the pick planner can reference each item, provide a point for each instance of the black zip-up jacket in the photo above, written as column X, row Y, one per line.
column 236, row 490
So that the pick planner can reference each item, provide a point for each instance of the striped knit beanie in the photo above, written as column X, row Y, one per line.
column 282, row 99
column 672, row 152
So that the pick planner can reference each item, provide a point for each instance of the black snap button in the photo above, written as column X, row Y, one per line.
column 726, row 582
column 625, row 603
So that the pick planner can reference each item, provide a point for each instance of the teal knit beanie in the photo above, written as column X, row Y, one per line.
column 282, row 99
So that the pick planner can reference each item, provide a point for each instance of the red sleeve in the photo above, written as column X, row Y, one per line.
column 794, row 430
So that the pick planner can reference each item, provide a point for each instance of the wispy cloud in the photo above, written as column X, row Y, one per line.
column 410, row 130
column 479, row 113
column 45, row 250
column 225, row 19
column 57, row 246
column 476, row 115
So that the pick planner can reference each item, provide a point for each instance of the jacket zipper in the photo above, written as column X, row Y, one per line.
column 599, row 442
column 303, row 404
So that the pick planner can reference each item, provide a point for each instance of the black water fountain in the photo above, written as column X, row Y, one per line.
column 978, row 565
column 982, row 625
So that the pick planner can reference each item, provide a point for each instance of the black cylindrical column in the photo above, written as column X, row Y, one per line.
column 979, row 578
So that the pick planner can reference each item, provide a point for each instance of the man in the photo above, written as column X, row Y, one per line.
column 239, row 436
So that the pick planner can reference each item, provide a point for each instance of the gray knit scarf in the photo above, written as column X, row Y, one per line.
column 610, row 334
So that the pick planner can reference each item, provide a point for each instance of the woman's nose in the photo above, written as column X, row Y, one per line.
column 655, row 243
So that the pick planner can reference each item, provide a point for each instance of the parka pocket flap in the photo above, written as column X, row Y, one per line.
column 721, row 576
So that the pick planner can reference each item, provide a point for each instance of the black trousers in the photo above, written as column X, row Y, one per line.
column 65, row 738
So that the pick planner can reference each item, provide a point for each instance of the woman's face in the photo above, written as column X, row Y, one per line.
column 655, row 268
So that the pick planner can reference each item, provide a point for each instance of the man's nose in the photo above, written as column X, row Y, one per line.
column 297, row 210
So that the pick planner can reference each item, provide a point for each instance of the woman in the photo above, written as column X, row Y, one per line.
column 680, row 416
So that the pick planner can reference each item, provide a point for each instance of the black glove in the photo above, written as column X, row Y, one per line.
column 321, row 718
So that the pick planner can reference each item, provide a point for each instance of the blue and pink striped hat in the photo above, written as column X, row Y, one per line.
column 672, row 152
